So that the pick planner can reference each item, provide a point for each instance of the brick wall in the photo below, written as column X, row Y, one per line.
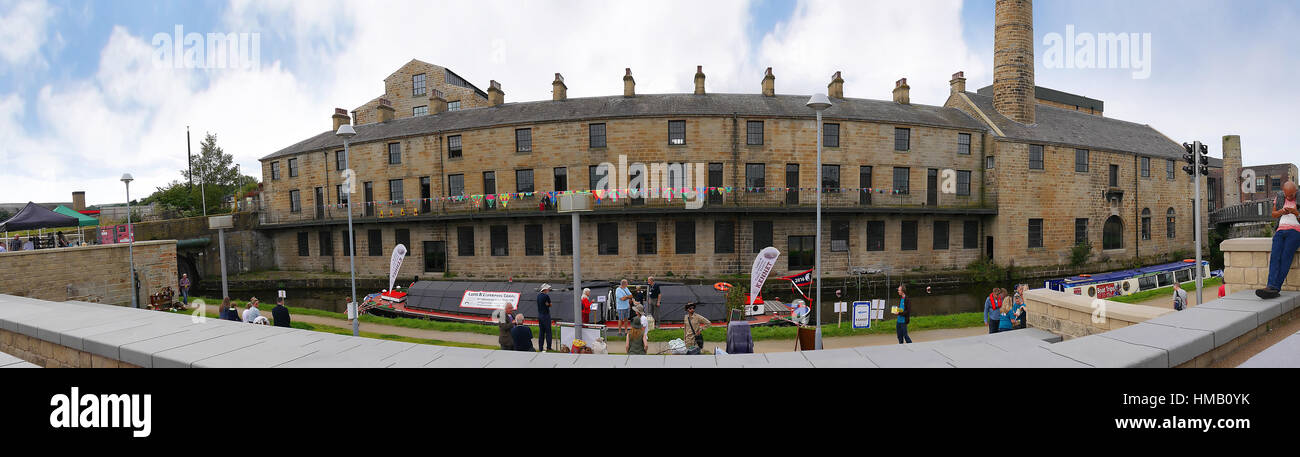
column 51, row 355
column 97, row 274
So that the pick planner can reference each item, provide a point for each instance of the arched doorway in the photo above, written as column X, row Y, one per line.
column 1113, row 233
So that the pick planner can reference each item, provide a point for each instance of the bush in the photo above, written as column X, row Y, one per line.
column 1079, row 253
column 984, row 270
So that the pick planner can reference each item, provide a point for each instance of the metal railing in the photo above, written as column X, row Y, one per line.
column 1256, row 211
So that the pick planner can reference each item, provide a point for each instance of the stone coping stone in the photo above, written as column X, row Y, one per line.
column 1256, row 244
column 551, row 360
column 1034, row 357
column 692, row 361
column 1111, row 353
column 141, row 352
column 838, row 358
column 456, row 357
column 9, row 361
column 1225, row 324
column 786, row 359
column 599, row 361
column 1284, row 354
column 109, row 344
column 415, row 356
column 260, row 355
column 347, row 351
column 510, row 359
column 76, row 338
column 646, row 361
column 902, row 356
column 1127, row 312
column 1180, row 344
column 1247, row 301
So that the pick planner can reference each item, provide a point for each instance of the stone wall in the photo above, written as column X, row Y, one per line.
column 1245, row 262
column 97, row 274
column 1074, row 316
column 52, row 355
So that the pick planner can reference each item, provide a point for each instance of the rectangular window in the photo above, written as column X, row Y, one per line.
column 293, row 168
column 453, row 147
column 340, row 160
column 607, row 238
column 1146, row 167
column 275, row 170
column 375, row 243
column 792, row 184
column 523, row 180
column 402, row 237
column 754, row 133
column 1035, row 233
column 499, row 239
column 902, row 139
column 422, row 110
column 676, row 132
column 594, row 175
column 566, row 239
column 831, row 179
column 715, row 180
column 435, row 256
column 875, row 235
column 724, row 237
column 988, row 162
column 902, row 179
column 1081, row 230
column 963, row 182
column 1114, row 176
column 394, row 153
column 456, row 185
column 533, row 239
column 830, row 135
column 453, row 105
column 1081, row 160
column 417, row 84
column 326, row 242
column 864, row 183
column 349, row 243
column 800, row 252
column 295, row 202
column 970, row 235
column 304, row 247
column 426, row 194
column 963, row 143
column 596, row 135
column 489, row 182
column 465, row 241
column 368, row 196
column 755, row 175
column 561, row 179
column 685, row 236
column 762, row 235
column 647, row 238
column 1035, row 157
column 909, row 235
column 839, row 235
column 940, row 235
column 395, row 192
column 1169, row 170
column 523, row 140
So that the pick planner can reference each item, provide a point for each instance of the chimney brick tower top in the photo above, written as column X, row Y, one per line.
column 1013, row 60
column 1231, row 170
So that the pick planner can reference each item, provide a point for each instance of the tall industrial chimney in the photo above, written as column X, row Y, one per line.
column 1013, row 60
column 1231, row 170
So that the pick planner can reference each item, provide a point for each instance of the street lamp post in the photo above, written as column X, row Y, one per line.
column 819, row 102
column 130, row 248
column 347, row 132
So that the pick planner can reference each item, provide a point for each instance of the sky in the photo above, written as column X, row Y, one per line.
column 88, row 93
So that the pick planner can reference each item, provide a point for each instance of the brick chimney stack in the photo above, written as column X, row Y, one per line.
column 1231, row 170
column 699, row 80
column 629, row 84
column 902, row 92
column 958, row 82
column 1013, row 60
column 340, row 117
column 769, row 83
column 437, row 102
column 384, row 112
column 836, row 88
column 496, row 96
column 559, row 91
column 79, row 200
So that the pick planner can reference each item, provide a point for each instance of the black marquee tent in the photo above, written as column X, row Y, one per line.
column 35, row 216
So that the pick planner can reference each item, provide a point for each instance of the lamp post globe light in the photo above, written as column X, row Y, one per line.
column 347, row 132
column 130, row 248
column 819, row 102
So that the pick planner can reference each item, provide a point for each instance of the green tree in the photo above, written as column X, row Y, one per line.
column 214, row 177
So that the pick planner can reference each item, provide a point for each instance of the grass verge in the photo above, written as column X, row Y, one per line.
column 1211, row 284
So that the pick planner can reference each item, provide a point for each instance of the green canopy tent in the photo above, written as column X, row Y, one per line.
column 82, row 219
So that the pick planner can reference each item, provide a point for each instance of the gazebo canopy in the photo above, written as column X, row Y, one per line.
column 35, row 216
column 84, row 220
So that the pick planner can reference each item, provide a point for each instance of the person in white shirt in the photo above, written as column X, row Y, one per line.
column 1180, row 298
column 251, row 313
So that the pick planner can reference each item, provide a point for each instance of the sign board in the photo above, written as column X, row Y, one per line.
column 221, row 222
column 1106, row 290
column 842, row 307
column 573, row 202
column 489, row 300
column 280, row 293
column 862, row 314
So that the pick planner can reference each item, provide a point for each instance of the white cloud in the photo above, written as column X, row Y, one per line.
column 23, row 31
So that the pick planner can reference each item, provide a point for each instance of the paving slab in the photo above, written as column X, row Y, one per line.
column 1101, row 352
column 1014, row 343
column 552, row 360
column 260, row 355
column 1181, row 344
column 76, row 338
column 349, row 352
column 788, row 359
column 510, row 359
column 1225, row 324
column 902, row 356
column 956, row 353
column 1265, row 310
column 599, row 361
column 51, row 326
column 646, row 361
column 691, row 361
column 837, row 358
column 1028, row 358
column 141, row 352
column 1284, row 354
column 1288, row 299
column 184, row 356
column 109, row 343
column 741, row 360
column 415, row 356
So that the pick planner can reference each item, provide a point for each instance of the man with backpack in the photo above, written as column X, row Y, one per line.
column 1180, row 298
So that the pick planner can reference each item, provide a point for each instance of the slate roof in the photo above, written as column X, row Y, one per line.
column 1075, row 128
column 1053, row 95
column 642, row 106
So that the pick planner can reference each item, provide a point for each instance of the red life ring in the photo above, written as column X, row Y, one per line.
column 722, row 286
column 1189, row 260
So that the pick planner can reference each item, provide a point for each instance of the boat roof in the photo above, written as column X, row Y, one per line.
column 1115, row 275
column 445, row 296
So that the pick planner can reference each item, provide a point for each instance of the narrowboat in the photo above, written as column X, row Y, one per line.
column 1126, row 282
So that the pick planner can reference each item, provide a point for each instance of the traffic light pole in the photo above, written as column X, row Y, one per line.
column 1196, row 212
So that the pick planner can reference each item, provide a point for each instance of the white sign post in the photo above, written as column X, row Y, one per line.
column 862, row 314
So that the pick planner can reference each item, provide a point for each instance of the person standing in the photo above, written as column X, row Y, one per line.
column 185, row 288
column 636, row 338
column 623, row 301
column 653, row 295
column 1019, row 314
column 991, row 307
column 252, row 312
column 1006, row 321
column 1180, row 298
column 62, row 241
column 586, row 306
column 280, row 314
column 1285, row 241
column 523, row 337
column 904, row 316
column 544, row 319
column 505, row 330
column 693, row 330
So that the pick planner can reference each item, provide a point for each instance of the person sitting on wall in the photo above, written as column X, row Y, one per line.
column 1285, row 240
column 522, row 335
column 251, row 312
column 280, row 314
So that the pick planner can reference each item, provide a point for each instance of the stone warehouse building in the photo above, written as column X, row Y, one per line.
column 1029, row 172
